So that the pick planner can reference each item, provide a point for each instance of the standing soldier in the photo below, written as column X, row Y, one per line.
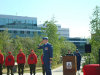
column 9, row 62
column 21, row 59
column 1, row 62
column 47, row 55
column 43, row 69
column 32, row 61
column 78, row 56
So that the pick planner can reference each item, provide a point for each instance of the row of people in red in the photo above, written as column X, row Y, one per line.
column 21, row 60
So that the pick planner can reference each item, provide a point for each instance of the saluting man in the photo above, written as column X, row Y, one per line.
column 32, row 61
column 9, row 62
column 47, row 55
column 21, row 59
column 1, row 62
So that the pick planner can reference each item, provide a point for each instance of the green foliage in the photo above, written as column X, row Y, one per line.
column 95, row 37
column 5, row 42
column 95, row 30
column 95, row 22
column 67, row 46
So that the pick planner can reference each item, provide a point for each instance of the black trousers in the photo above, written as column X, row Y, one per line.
column 0, row 69
column 8, row 69
column 32, row 68
column 43, row 69
column 20, row 69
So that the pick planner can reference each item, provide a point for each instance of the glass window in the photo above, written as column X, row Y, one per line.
column 15, row 32
column 9, row 31
column 22, row 32
column 1, row 30
column 28, row 32
column 39, row 32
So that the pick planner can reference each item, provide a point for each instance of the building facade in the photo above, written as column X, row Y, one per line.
column 79, row 42
column 63, row 32
column 19, row 26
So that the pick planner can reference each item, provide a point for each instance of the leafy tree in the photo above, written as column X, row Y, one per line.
column 95, row 22
column 6, row 44
column 95, row 35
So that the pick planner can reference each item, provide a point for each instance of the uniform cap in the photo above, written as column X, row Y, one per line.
column 32, row 51
column 9, row 52
column 20, row 50
column 45, row 38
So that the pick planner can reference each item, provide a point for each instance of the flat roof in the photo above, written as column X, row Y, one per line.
column 16, row 17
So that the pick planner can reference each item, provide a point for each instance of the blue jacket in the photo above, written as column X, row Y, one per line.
column 78, row 56
column 47, row 51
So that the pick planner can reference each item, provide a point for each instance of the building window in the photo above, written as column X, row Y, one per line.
column 35, row 32
column 39, row 32
column 15, row 32
column 22, row 32
column 9, row 31
column 35, row 24
column 28, row 32
column 1, row 30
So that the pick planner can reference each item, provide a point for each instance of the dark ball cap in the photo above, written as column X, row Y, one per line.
column 45, row 38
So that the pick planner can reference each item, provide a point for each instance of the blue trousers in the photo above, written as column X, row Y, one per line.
column 47, row 66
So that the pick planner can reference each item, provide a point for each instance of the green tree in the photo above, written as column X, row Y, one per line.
column 67, row 46
column 95, row 22
column 95, row 37
column 5, row 42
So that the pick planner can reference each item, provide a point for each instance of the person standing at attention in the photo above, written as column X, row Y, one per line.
column 47, row 54
column 21, row 59
column 78, row 56
column 32, row 61
column 9, row 62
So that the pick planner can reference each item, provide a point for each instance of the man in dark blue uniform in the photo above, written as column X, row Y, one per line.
column 47, row 55
column 78, row 56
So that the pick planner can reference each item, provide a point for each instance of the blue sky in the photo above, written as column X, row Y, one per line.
column 72, row 14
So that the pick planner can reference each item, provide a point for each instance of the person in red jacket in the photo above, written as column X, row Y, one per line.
column 43, row 69
column 21, row 59
column 1, row 62
column 9, row 62
column 32, row 61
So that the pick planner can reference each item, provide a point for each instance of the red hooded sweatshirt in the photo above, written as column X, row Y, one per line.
column 1, row 59
column 21, row 59
column 42, row 59
column 9, row 60
column 32, row 59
